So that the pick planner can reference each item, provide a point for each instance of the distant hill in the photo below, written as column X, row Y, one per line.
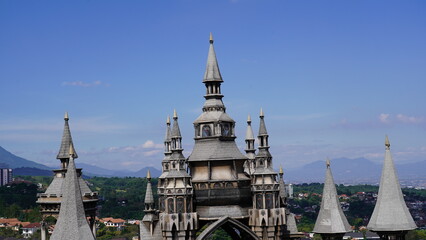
column 358, row 170
column 10, row 160
column 92, row 170
column 26, row 171
column 142, row 173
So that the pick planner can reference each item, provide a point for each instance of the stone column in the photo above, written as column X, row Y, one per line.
column 43, row 230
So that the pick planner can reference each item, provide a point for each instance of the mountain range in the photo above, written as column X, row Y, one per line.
column 345, row 170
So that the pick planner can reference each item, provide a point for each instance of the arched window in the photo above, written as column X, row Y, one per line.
column 170, row 205
column 259, row 201
column 162, row 205
column 207, row 132
column 269, row 201
column 226, row 129
column 180, row 205
column 216, row 185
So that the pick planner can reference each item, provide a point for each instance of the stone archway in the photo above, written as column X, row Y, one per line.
column 244, row 231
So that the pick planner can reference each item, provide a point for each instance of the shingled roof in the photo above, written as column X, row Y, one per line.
column 330, row 218
column 66, row 141
column 72, row 223
column 391, row 212
column 212, row 69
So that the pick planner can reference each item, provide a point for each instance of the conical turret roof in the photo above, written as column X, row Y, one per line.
column 72, row 223
column 175, row 129
column 391, row 212
column 149, row 197
column 66, row 141
column 212, row 69
column 249, row 131
column 262, row 126
column 330, row 218
column 168, row 136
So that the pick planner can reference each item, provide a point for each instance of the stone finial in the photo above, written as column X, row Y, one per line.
column 281, row 170
column 211, row 38
column 387, row 143
column 66, row 118
column 248, row 119
column 175, row 114
column 71, row 150
column 327, row 162
column 168, row 120
column 148, row 175
column 261, row 115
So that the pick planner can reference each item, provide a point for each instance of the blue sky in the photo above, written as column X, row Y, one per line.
column 333, row 77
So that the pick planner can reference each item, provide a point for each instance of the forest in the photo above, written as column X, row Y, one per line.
column 124, row 198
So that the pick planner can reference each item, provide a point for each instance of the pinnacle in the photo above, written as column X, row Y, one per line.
column 175, row 114
column 387, row 143
column 148, row 175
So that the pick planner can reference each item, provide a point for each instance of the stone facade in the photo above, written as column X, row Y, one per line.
column 217, row 185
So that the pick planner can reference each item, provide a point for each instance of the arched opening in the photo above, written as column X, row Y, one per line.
column 233, row 228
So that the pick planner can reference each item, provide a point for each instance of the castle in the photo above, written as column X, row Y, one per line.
column 217, row 186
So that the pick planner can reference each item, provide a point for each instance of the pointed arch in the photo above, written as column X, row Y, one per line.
column 244, row 230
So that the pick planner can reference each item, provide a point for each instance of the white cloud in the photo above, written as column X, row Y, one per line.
column 151, row 144
column 85, row 84
column 408, row 119
column 384, row 117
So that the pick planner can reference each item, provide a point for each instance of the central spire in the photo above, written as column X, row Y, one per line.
column 212, row 79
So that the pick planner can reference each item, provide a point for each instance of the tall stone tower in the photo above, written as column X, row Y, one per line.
column 217, row 186
column 50, row 201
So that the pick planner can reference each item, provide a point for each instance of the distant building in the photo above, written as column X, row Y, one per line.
column 113, row 222
column 6, row 176
column 29, row 229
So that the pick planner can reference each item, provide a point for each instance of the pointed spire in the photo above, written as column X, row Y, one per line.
column 331, row 219
column 72, row 223
column 391, row 212
column 175, row 129
column 66, row 141
column 149, row 197
column 212, row 70
column 387, row 143
column 262, row 127
column 148, row 175
column 249, row 131
column 168, row 135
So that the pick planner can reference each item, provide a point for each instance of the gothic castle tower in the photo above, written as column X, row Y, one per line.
column 217, row 186
column 50, row 201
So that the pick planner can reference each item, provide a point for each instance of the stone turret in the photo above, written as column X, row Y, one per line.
column 167, row 146
column 268, row 215
column 216, row 164
column 50, row 200
column 250, row 149
column 72, row 223
column 177, row 218
column 149, row 228
column 331, row 222
column 391, row 218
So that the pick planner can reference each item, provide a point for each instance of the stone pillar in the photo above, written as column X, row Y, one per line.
column 93, row 225
column 43, row 230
